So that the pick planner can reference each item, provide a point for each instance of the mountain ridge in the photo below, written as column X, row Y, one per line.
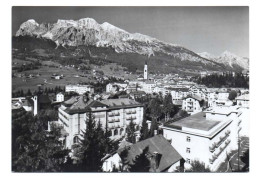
column 88, row 32
column 228, row 59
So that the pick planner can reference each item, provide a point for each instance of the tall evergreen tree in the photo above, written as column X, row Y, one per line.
column 92, row 148
column 130, row 130
column 155, row 109
column 168, row 106
column 154, row 126
column 144, row 129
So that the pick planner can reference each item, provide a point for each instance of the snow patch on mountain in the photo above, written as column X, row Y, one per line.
column 227, row 58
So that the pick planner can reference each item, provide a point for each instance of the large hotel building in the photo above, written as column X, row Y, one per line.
column 115, row 114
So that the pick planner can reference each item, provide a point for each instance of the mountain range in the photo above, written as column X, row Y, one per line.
column 122, row 46
column 228, row 59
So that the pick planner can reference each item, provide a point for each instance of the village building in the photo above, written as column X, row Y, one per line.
column 192, row 104
column 114, row 87
column 80, row 89
column 243, row 100
column 178, row 94
column 60, row 97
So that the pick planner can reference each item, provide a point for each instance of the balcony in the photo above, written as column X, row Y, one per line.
column 213, row 147
column 227, row 132
column 222, row 139
column 114, row 114
column 130, row 118
column 131, row 112
column 117, row 114
column 239, row 122
column 212, row 160
column 110, row 114
column 113, row 120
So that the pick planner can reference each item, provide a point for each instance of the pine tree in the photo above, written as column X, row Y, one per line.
column 29, row 93
column 91, row 149
column 154, row 126
column 141, row 163
column 155, row 109
column 197, row 166
column 168, row 106
column 33, row 148
column 130, row 130
column 144, row 129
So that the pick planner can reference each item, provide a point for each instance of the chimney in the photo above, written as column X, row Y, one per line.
column 85, row 98
column 137, row 138
column 155, row 161
column 155, row 132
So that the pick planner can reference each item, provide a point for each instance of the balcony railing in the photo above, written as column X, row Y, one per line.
column 114, row 114
column 239, row 122
column 131, row 112
column 213, row 147
column 114, row 120
column 214, row 157
column 227, row 132
column 222, row 139
column 117, row 114
column 131, row 118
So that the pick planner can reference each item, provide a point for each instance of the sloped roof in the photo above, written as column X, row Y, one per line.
column 158, row 143
column 71, row 101
column 78, row 106
column 96, row 104
column 179, row 89
column 137, row 92
column 122, row 102
column 124, row 144
column 195, row 97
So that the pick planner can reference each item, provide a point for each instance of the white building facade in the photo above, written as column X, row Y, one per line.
column 192, row 105
column 80, row 89
column 206, row 136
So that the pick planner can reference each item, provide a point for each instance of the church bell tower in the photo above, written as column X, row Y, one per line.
column 145, row 71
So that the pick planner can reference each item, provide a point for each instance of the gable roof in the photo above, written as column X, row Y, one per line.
column 195, row 97
column 179, row 89
column 79, row 105
column 96, row 104
column 121, row 103
column 158, row 143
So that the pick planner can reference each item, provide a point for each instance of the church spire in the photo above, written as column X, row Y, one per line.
column 145, row 71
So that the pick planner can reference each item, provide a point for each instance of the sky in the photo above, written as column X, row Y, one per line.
column 200, row 29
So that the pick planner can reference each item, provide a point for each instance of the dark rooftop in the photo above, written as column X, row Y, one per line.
column 156, row 144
